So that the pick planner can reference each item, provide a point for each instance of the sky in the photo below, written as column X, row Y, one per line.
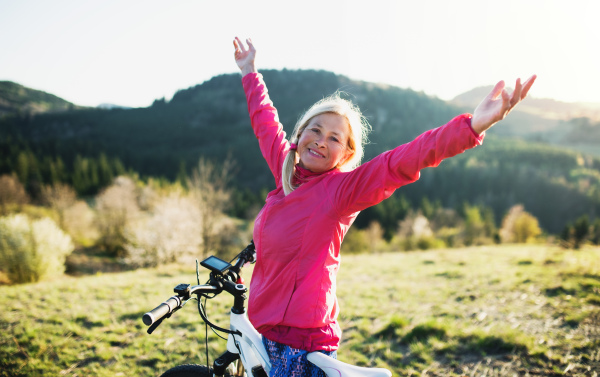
column 130, row 52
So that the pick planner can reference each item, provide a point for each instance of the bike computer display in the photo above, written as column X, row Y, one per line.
column 215, row 264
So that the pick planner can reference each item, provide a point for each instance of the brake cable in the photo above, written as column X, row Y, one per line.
column 204, row 315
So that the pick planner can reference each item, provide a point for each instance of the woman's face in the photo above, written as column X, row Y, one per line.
column 323, row 143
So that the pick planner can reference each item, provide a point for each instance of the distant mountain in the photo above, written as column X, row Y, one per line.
column 110, row 106
column 573, row 125
column 542, row 107
column 18, row 99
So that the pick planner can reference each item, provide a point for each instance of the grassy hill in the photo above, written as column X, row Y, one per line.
column 18, row 99
column 487, row 311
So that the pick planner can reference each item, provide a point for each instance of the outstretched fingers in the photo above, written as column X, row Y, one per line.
column 516, row 95
column 498, row 88
column 521, row 90
column 239, row 46
column 527, row 85
column 498, row 103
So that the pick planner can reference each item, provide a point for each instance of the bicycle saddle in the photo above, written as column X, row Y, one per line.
column 336, row 368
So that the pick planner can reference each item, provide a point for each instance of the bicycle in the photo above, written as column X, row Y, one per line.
column 246, row 355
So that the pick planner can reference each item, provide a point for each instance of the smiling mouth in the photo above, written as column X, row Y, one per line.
column 315, row 153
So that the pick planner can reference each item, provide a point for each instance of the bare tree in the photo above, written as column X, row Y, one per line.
column 117, row 205
column 374, row 234
column 59, row 197
column 11, row 192
column 208, row 187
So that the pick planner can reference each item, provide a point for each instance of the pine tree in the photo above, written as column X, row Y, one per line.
column 581, row 229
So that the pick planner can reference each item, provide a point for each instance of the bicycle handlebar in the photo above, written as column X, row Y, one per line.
column 184, row 291
column 174, row 303
column 166, row 308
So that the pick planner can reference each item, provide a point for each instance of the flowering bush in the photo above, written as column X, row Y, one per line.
column 170, row 232
column 32, row 250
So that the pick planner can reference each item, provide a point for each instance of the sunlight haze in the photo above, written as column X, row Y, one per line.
column 132, row 52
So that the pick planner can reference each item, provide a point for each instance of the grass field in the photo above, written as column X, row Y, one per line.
column 487, row 311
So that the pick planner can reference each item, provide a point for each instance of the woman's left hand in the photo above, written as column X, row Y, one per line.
column 498, row 104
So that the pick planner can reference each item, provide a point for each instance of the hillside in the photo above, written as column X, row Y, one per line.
column 18, row 99
column 556, row 184
column 572, row 125
column 486, row 311
column 543, row 107
column 211, row 119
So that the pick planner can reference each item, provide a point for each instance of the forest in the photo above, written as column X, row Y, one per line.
column 88, row 147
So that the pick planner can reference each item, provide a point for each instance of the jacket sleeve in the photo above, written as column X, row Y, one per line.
column 265, row 123
column 377, row 179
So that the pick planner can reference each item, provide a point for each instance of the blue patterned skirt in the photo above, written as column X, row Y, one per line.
column 292, row 362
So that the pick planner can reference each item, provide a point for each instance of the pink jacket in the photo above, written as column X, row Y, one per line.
column 298, row 237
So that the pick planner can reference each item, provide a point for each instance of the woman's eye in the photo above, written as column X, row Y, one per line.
column 335, row 139
column 315, row 130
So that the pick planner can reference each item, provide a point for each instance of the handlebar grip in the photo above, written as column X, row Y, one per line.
column 161, row 310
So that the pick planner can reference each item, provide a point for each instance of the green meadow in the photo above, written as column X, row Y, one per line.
column 516, row 310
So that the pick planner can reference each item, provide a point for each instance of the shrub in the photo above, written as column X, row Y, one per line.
column 426, row 243
column 170, row 232
column 415, row 225
column 368, row 240
column 414, row 232
column 451, row 236
column 32, row 250
column 474, row 225
column 417, row 243
column 355, row 242
column 581, row 230
column 117, row 206
column 209, row 188
column 79, row 222
column 526, row 228
column 519, row 226
column 374, row 234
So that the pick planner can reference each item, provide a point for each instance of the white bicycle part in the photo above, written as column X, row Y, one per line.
column 249, row 345
column 336, row 368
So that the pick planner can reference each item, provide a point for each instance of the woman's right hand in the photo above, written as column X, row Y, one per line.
column 244, row 57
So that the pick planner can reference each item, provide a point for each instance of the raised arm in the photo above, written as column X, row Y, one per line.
column 263, row 115
column 496, row 105
column 377, row 179
column 244, row 57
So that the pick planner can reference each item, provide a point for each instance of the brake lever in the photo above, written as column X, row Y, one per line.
column 155, row 325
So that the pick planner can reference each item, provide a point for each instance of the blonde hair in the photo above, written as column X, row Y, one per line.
column 359, row 128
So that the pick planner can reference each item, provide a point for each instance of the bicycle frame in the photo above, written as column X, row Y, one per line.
column 252, row 353
column 249, row 345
